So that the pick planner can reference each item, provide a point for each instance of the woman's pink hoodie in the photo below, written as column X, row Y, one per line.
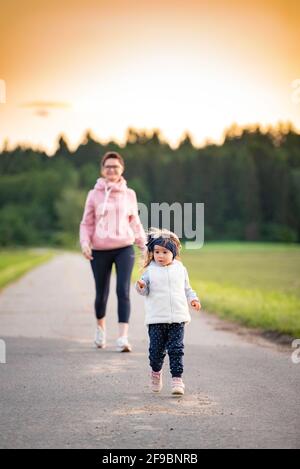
column 110, row 219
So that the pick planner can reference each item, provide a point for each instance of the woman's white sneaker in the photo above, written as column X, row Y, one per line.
column 100, row 337
column 123, row 345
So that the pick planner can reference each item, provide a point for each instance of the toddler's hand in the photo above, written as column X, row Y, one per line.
column 141, row 283
column 196, row 305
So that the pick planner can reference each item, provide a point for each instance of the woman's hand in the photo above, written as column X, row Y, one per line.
column 141, row 284
column 196, row 305
column 87, row 252
column 143, row 251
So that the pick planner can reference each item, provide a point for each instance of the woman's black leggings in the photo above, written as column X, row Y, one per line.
column 102, row 265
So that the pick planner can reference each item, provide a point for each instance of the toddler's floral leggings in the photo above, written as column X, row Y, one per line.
column 167, row 338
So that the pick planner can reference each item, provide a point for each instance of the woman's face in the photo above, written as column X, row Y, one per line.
column 112, row 169
column 162, row 255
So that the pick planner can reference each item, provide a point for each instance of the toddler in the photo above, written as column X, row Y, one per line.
column 168, row 298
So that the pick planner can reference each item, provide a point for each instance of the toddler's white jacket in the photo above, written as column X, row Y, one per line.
column 167, row 293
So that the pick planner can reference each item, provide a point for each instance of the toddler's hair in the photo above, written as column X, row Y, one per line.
column 168, row 236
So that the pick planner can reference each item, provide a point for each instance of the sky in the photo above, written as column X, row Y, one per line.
column 68, row 66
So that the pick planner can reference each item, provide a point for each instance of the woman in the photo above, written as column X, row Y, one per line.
column 109, row 228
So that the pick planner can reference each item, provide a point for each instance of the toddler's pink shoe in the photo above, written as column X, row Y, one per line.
column 177, row 386
column 156, row 381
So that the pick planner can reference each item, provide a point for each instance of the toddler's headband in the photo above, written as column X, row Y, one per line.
column 161, row 241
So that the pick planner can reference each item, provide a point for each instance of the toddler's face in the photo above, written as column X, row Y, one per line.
column 162, row 255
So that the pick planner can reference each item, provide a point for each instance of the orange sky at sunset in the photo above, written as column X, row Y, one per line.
column 179, row 66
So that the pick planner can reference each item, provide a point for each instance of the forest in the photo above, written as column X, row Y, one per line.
column 249, row 184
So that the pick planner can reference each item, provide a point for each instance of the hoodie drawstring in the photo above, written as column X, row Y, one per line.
column 107, row 192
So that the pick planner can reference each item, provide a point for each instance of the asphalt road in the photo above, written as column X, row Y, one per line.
column 58, row 391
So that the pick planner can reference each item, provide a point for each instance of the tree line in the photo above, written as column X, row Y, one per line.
column 250, row 184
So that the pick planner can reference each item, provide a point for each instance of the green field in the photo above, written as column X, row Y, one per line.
column 16, row 262
column 255, row 284
column 252, row 283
